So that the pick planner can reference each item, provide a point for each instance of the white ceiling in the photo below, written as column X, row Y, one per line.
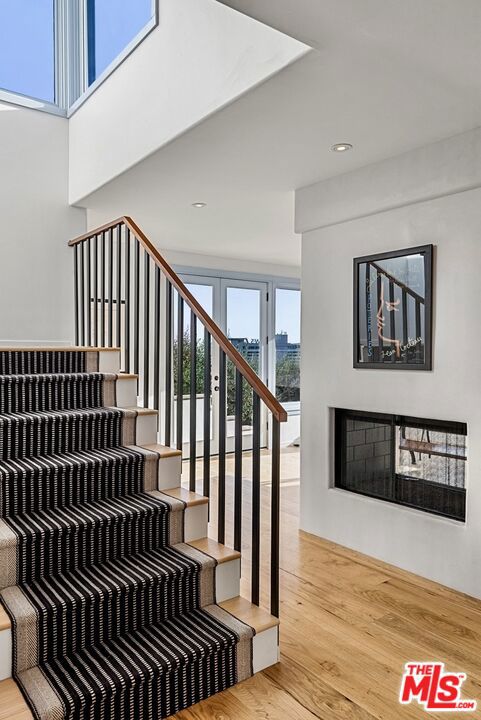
column 385, row 75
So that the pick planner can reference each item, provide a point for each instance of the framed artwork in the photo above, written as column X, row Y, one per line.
column 393, row 310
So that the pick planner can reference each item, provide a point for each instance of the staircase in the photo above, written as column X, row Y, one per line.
column 116, row 603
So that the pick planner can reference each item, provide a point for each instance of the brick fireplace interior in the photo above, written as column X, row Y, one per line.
column 411, row 461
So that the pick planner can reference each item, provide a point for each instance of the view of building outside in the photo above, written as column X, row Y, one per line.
column 243, row 314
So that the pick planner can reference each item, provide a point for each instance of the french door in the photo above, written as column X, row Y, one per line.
column 239, row 307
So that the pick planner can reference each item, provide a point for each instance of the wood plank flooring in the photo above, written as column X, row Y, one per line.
column 348, row 625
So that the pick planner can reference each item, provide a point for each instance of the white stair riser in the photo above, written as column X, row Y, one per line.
column 195, row 522
column 227, row 580
column 109, row 361
column 146, row 430
column 170, row 471
column 126, row 392
column 265, row 649
column 5, row 654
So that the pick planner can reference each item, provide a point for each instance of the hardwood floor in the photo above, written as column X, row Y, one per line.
column 348, row 625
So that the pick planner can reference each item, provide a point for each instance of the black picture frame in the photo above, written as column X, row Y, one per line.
column 394, row 333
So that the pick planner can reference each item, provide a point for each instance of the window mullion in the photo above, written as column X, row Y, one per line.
column 70, row 74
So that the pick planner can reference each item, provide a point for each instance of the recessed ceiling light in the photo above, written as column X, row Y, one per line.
column 341, row 147
column 199, row 205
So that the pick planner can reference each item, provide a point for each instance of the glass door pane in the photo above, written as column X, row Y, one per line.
column 244, row 320
column 288, row 345
column 204, row 293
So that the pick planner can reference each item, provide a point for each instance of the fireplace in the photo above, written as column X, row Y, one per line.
column 410, row 461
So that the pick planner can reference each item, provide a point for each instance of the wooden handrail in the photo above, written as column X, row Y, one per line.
column 221, row 339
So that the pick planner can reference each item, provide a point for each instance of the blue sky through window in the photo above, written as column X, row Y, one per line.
column 288, row 313
column 116, row 23
column 27, row 48
column 27, row 40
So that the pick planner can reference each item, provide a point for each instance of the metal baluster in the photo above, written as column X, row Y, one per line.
column 275, row 514
column 156, row 337
column 418, row 328
column 168, row 363
column 392, row 317
column 380, row 330
column 405, row 317
column 222, row 433
column 102, row 289
column 256, row 497
column 89, row 298
column 180, row 373
column 207, row 390
column 82, row 292
column 96, row 290
column 137, row 307
column 238, row 463
column 76, row 294
column 127, row 301
column 193, row 399
column 146, row 327
column 119, row 286
column 111, row 288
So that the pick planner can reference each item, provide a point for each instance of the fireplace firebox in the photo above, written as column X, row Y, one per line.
column 410, row 461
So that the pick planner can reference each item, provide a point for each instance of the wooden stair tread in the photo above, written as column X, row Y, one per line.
column 5, row 623
column 126, row 376
column 250, row 614
column 12, row 702
column 142, row 410
column 216, row 550
column 163, row 451
column 191, row 499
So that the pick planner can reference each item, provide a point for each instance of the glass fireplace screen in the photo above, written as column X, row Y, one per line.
column 409, row 461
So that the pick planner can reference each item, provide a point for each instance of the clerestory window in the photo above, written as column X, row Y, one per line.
column 27, row 48
column 54, row 53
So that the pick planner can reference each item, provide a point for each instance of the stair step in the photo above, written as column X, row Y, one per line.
column 196, row 514
column 191, row 499
column 55, row 348
column 68, row 538
column 169, row 469
column 12, row 702
column 5, row 646
column 220, row 553
column 40, row 434
column 162, row 450
column 106, row 360
column 253, row 615
column 228, row 567
column 70, row 480
column 105, row 564
column 63, row 615
column 265, row 644
column 176, row 664
column 5, row 622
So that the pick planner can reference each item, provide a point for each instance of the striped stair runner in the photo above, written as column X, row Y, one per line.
column 113, row 616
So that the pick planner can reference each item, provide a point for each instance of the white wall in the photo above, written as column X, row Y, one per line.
column 201, row 57
column 36, row 267
column 438, row 548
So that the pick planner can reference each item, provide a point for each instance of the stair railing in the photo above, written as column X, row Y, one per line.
column 124, row 294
